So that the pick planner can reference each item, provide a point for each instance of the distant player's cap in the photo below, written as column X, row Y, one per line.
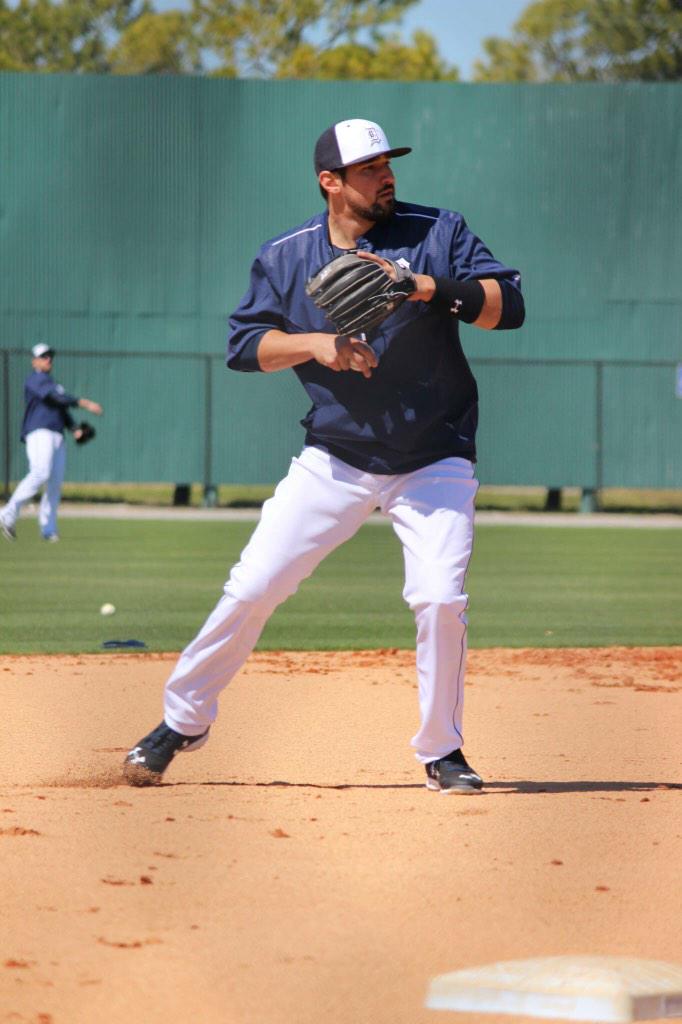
column 352, row 142
column 41, row 349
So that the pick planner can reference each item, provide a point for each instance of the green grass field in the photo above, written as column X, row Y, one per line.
column 529, row 586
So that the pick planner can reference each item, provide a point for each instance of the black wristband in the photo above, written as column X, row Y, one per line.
column 464, row 299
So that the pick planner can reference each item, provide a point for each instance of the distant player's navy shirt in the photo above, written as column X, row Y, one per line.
column 47, row 405
column 421, row 402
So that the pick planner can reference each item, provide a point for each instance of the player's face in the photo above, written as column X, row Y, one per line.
column 369, row 189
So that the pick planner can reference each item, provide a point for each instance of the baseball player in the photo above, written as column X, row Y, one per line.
column 46, row 416
column 391, row 426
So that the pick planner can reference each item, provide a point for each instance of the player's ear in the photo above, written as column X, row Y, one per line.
column 329, row 181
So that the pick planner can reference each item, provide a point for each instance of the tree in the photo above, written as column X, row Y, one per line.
column 589, row 41
column 38, row 35
column 157, row 44
column 258, row 38
column 248, row 38
column 390, row 59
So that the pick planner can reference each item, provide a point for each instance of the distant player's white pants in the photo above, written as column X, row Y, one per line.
column 319, row 504
column 46, row 454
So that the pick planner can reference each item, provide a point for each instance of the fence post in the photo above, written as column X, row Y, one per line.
column 210, row 491
column 599, row 454
column 589, row 501
column 6, row 423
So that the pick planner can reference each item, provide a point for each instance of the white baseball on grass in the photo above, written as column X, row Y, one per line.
column 107, row 609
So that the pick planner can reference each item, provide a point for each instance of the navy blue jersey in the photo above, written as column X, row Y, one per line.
column 421, row 402
column 47, row 405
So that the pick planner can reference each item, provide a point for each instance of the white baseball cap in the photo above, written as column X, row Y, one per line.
column 352, row 142
column 41, row 349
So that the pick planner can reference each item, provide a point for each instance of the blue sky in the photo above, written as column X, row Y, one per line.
column 461, row 25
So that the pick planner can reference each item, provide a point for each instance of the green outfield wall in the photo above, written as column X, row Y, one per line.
column 130, row 209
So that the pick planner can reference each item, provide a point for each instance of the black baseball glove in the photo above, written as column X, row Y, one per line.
column 85, row 432
column 357, row 294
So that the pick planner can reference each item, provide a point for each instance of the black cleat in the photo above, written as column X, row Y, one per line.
column 452, row 774
column 146, row 763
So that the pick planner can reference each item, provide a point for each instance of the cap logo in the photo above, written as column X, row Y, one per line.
column 374, row 137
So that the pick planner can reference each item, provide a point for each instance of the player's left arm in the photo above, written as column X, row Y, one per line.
column 484, row 298
column 487, row 302
column 477, row 288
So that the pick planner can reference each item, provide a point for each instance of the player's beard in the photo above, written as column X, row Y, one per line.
column 380, row 211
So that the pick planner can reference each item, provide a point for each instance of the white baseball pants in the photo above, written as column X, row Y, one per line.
column 319, row 504
column 46, row 452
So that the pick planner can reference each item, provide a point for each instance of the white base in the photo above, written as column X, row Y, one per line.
column 616, row 990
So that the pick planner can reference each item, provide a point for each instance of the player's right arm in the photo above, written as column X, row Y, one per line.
column 261, row 335
column 42, row 387
column 93, row 407
column 278, row 350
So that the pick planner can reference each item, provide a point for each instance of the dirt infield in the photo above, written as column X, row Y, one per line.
column 296, row 870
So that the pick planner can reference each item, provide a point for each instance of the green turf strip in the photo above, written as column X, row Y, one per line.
column 529, row 587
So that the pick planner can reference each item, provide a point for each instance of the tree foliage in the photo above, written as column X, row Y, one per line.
column 254, row 38
column 157, row 44
column 552, row 41
column 247, row 38
column 390, row 59
column 589, row 41
column 37, row 35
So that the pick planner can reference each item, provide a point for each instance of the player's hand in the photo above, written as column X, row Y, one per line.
column 340, row 352
column 93, row 407
column 426, row 286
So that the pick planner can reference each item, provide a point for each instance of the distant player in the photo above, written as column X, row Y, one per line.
column 46, row 417
column 392, row 426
